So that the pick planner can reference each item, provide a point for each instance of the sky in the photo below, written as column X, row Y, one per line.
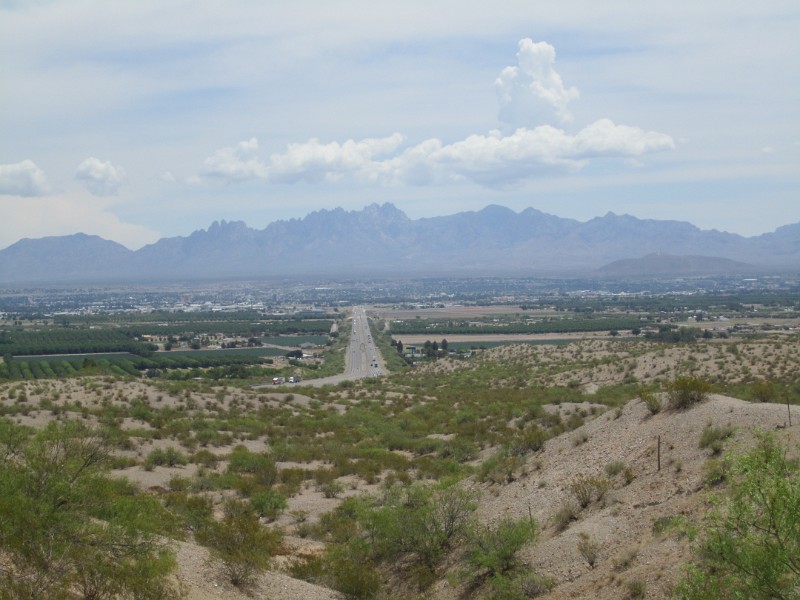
column 139, row 120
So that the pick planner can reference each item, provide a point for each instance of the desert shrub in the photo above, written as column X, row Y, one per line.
column 651, row 400
column 494, row 551
column 416, row 521
column 499, row 468
column 205, row 458
column 352, row 571
column 614, row 468
column 588, row 548
column 169, row 457
column 763, row 391
column 715, row 472
column 239, row 543
column 194, row 511
column 521, row 586
column 749, row 546
column 588, row 489
column 670, row 523
column 565, row 515
column 178, row 483
column 310, row 568
column 685, row 392
column 629, row 475
column 531, row 440
column 66, row 528
column 260, row 467
column 636, row 589
column 268, row 503
column 332, row 489
column 624, row 559
column 713, row 437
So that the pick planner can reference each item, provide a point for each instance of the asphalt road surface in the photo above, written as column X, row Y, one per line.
column 362, row 358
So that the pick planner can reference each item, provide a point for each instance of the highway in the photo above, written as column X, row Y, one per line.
column 363, row 358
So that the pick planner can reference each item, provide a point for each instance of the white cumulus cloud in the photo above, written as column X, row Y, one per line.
column 235, row 163
column 531, row 90
column 24, row 178
column 101, row 178
column 495, row 159
column 528, row 92
column 314, row 162
column 491, row 160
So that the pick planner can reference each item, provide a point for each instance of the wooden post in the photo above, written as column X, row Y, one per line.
column 659, row 453
column 788, row 410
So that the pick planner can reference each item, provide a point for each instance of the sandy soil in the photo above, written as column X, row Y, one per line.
column 621, row 523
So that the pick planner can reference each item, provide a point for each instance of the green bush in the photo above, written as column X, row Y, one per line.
column 531, row 440
column 268, row 503
column 750, row 544
column 588, row 489
column 494, row 551
column 650, row 400
column 66, row 528
column 170, row 457
column 685, row 392
column 260, row 467
column 353, row 572
column 713, row 437
column 239, row 543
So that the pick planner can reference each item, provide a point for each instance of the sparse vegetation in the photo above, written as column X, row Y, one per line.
column 396, row 461
column 714, row 437
column 686, row 391
column 587, row 489
column 588, row 548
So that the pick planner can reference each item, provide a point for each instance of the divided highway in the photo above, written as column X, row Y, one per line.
column 362, row 359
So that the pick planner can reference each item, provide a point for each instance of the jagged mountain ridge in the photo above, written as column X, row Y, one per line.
column 382, row 240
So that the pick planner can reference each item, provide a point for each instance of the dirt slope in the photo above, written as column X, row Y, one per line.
column 621, row 524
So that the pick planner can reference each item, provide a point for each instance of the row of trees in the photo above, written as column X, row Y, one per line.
column 70, row 341
column 227, row 366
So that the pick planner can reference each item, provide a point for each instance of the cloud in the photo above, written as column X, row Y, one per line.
column 315, row 162
column 491, row 160
column 531, row 90
column 235, row 163
column 22, row 179
column 100, row 178
column 496, row 159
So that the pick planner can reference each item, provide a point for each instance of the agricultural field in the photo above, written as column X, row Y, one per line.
column 166, row 345
column 582, row 469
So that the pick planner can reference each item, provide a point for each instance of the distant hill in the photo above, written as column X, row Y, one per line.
column 668, row 265
column 381, row 240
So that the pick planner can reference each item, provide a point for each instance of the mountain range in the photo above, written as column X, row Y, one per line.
column 381, row 240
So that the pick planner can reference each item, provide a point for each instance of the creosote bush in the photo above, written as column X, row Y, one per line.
column 588, row 489
column 239, row 543
column 493, row 551
column 685, row 392
column 650, row 400
column 588, row 548
column 713, row 437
